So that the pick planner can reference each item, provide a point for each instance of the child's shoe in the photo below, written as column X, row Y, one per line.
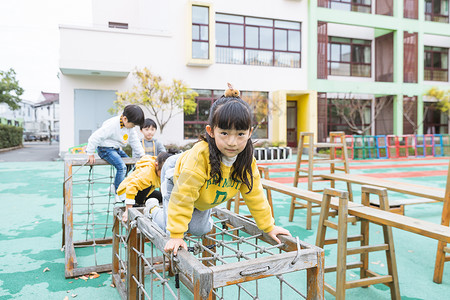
column 150, row 205
column 111, row 189
column 120, row 199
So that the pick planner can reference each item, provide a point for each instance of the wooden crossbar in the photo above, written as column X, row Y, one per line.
column 431, row 230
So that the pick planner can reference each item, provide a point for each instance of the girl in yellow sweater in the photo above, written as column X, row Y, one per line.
column 212, row 172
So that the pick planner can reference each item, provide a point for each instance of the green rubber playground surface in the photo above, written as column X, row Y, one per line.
column 32, row 263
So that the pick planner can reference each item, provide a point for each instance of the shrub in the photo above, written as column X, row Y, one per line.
column 10, row 136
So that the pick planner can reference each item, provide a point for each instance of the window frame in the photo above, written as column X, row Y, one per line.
column 351, row 62
column 200, row 62
column 343, row 126
column 430, row 115
column 435, row 17
column 245, row 48
column 354, row 6
column 118, row 25
column 432, row 69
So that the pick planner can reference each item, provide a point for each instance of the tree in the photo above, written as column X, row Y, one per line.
column 355, row 112
column 260, row 106
column 442, row 98
column 160, row 100
column 410, row 113
column 10, row 91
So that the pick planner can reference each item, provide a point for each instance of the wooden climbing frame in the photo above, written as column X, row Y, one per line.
column 87, row 208
column 214, row 261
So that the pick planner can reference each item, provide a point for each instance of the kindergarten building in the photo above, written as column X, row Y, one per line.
column 295, row 57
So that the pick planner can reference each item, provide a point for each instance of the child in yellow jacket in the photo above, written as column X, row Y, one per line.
column 141, row 183
column 211, row 173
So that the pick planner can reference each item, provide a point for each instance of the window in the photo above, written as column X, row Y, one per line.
column 257, row 41
column 436, row 10
column 200, row 32
column 336, row 121
column 435, row 121
column 259, row 103
column 363, row 6
column 410, row 9
column 118, row 25
column 436, row 64
column 349, row 57
column 194, row 124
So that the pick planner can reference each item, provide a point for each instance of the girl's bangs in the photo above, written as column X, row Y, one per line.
column 233, row 115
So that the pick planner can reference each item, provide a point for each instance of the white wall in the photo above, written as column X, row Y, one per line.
column 162, row 46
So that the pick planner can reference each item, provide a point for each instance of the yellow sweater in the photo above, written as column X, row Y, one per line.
column 142, row 177
column 193, row 187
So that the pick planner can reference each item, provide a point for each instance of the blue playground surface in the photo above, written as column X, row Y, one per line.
column 32, row 262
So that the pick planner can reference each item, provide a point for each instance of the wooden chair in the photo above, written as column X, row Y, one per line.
column 367, row 277
column 238, row 200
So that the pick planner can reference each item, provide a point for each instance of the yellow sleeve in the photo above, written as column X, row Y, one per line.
column 138, row 180
column 186, row 191
column 257, row 203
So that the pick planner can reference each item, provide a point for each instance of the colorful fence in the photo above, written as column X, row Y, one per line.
column 398, row 146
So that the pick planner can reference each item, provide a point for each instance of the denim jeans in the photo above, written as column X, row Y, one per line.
column 114, row 157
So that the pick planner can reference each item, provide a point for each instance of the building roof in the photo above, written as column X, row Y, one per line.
column 49, row 98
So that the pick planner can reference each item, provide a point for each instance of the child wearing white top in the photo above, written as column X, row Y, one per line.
column 114, row 134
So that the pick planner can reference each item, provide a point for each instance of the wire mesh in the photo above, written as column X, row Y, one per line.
column 231, row 261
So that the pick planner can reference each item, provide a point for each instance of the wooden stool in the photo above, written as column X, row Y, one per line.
column 238, row 200
column 368, row 277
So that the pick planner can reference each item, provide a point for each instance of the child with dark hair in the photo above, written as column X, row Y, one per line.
column 114, row 134
column 151, row 145
column 212, row 172
column 140, row 184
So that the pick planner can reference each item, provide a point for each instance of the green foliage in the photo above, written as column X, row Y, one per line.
column 327, row 151
column 127, row 149
column 10, row 91
column 161, row 101
column 11, row 136
column 265, row 144
column 442, row 98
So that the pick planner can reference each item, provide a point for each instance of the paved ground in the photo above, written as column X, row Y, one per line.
column 32, row 264
column 32, row 151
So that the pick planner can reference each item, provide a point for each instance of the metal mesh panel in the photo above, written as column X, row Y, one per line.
column 234, row 261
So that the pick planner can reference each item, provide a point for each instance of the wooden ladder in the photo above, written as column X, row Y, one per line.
column 367, row 277
column 337, row 140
